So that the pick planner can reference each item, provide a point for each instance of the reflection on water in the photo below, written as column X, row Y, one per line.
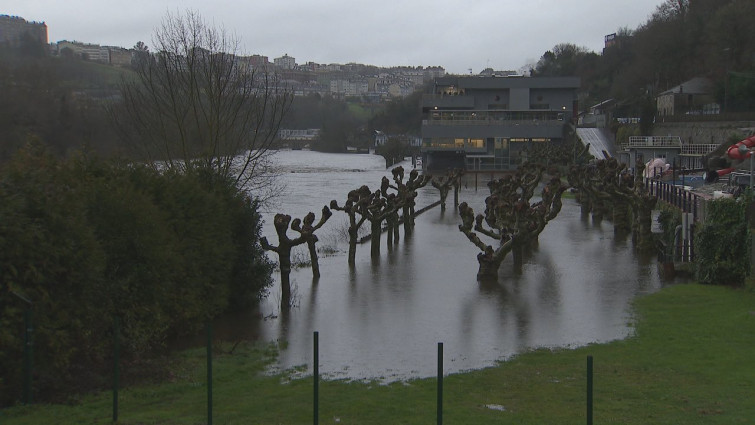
column 383, row 319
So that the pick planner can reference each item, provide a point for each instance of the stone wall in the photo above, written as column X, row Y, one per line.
column 705, row 132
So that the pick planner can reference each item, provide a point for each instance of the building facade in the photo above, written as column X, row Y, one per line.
column 84, row 51
column 693, row 97
column 13, row 28
column 487, row 123
column 285, row 62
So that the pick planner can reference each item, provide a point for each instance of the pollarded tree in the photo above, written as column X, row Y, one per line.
column 355, row 201
column 619, row 184
column 588, row 180
column 642, row 203
column 408, row 193
column 195, row 102
column 510, row 218
column 285, row 244
column 606, row 185
column 445, row 183
column 382, row 207
column 307, row 231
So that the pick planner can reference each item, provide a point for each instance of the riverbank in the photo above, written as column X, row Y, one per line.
column 689, row 361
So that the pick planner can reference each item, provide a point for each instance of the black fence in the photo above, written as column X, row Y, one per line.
column 315, row 383
column 691, row 206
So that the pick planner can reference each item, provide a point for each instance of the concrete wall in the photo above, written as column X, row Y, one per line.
column 705, row 132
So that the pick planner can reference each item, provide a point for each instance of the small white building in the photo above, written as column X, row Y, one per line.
column 285, row 62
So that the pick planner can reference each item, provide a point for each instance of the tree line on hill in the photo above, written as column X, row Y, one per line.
column 682, row 39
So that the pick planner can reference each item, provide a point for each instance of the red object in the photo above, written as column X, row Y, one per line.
column 741, row 150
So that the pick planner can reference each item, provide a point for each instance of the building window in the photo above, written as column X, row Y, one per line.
column 476, row 143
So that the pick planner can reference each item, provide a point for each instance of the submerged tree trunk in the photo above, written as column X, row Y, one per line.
column 443, row 196
column 307, row 229
column 489, row 265
column 408, row 217
column 622, row 218
column 376, row 229
column 284, row 259
column 352, row 245
column 281, row 222
column 313, row 256
column 517, row 253
column 644, row 238
column 393, row 228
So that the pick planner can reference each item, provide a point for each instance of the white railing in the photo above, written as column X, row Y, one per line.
column 655, row 142
column 689, row 149
column 698, row 149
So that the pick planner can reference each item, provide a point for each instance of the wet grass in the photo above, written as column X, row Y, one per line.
column 689, row 362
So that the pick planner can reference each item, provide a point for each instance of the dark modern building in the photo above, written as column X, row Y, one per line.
column 484, row 123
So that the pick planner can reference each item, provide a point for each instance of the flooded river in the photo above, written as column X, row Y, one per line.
column 383, row 319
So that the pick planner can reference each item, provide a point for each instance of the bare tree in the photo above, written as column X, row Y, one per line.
column 196, row 103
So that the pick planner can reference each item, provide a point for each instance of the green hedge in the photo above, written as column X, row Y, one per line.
column 722, row 248
column 87, row 240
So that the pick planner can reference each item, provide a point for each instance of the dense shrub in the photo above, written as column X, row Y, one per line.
column 86, row 241
column 722, row 248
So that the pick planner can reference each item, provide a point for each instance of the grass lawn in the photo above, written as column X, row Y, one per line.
column 691, row 361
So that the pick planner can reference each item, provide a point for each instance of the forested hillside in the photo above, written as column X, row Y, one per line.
column 682, row 39
column 58, row 101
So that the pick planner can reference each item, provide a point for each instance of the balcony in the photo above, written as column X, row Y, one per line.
column 675, row 142
column 465, row 146
column 697, row 149
column 494, row 117
column 654, row 142
column 445, row 101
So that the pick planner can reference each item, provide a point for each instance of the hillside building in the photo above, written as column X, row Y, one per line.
column 693, row 97
column 487, row 123
column 285, row 62
column 13, row 28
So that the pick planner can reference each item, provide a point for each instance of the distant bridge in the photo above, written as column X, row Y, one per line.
column 298, row 139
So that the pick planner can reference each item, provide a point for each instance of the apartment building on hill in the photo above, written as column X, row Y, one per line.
column 486, row 123
column 13, row 28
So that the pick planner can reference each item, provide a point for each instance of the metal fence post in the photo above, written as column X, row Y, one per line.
column 209, row 372
column 589, row 390
column 316, row 355
column 28, row 355
column 440, row 383
column 116, row 370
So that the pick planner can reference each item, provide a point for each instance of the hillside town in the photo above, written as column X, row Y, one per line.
column 338, row 80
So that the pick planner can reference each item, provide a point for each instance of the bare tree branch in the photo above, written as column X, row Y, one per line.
column 195, row 102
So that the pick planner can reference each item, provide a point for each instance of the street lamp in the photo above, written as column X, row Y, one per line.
column 726, row 92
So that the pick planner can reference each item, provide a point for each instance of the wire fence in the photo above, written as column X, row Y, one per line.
column 315, row 383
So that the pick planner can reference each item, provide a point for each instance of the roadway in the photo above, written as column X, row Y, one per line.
column 598, row 140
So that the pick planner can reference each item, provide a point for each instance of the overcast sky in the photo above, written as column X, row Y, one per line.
column 458, row 35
